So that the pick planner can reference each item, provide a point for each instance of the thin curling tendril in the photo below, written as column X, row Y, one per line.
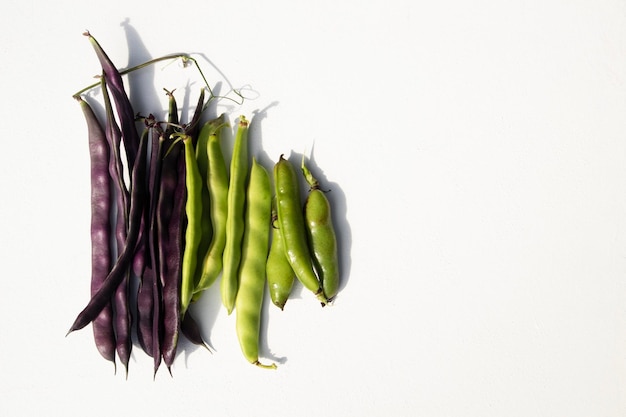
column 186, row 60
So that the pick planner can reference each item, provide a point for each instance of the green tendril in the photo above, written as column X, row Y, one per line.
column 186, row 59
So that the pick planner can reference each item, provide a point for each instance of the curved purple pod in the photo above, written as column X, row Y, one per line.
column 122, row 103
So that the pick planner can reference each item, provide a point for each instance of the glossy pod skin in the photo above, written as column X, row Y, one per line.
column 291, row 227
column 169, row 224
column 217, row 185
column 104, row 335
column 122, row 103
column 122, row 323
column 170, row 211
column 321, row 235
column 255, row 245
column 193, row 231
column 280, row 275
column 117, row 273
column 239, row 168
column 151, row 232
column 206, row 226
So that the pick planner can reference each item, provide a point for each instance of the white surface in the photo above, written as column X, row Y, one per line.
column 477, row 156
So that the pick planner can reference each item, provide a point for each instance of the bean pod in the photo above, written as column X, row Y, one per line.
column 217, row 184
column 255, row 245
column 202, row 161
column 291, row 227
column 104, row 335
column 234, row 222
column 321, row 235
column 117, row 273
column 193, row 231
column 280, row 275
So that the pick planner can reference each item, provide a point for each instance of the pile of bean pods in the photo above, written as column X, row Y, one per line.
column 168, row 213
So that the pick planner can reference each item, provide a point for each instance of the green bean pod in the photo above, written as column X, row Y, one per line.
column 321, row 235
column 235, row 212
column 249, row 300
column 202, row 161
column 291, row 227
column 193, row 231
column 280, row 275
column 217, row 184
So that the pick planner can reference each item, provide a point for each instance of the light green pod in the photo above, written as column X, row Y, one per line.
column 249, row 300
column 217, row 186
column 291, row 227
column 280, row 275
column 234, row 222
column 193, row 231
column 205, row 220
column 321, row 235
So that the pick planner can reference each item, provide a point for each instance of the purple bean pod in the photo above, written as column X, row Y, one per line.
column 117, row 273
column 104, row 335
column 154, row 179
column 122, row 320
column 144, row 310
column 145, row 265
column 122, row 103
column 189, row 327
column 193, row 127
column 168, row 249
column 170, row 226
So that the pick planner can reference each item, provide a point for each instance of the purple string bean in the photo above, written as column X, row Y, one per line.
column 104, row 335
column 122, row 322
column 123, row 106
column 116, row 275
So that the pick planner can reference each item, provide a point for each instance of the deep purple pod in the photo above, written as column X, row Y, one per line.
column 122, row 318
column 122, row 322
column 123, row 106
column 154, row 179
column 170, row 224
column 117, row 273
column 144, row 310
column 104, row 335
column 193, row 127
column 144, row 263
column 189, row 327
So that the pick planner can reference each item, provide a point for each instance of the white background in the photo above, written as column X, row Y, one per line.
column 476, row 155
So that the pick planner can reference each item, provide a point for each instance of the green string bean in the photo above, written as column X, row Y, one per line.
column 239, row 168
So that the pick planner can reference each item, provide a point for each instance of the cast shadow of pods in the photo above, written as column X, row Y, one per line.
column 141, row 91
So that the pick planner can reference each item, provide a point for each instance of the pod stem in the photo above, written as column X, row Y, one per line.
column 264, row 366
column 310, row 179
column 322, row 298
